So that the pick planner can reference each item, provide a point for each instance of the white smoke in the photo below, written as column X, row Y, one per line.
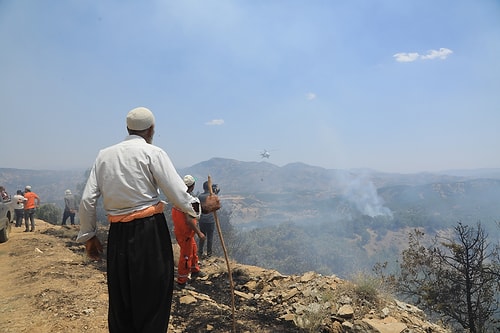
column 360, row 191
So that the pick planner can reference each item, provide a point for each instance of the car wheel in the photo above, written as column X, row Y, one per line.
column 4, row 234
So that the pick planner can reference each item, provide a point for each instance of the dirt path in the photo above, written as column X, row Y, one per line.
column 47, row 284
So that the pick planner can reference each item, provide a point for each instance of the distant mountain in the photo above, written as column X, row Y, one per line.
column 265, row 189
column 353, row 218
column 300, row 217
column 48, row 184
column 263, row 176
column 260, row 192
column 469, row 200
column 491, row 173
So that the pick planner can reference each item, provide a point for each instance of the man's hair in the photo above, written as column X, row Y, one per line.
column 205, row 186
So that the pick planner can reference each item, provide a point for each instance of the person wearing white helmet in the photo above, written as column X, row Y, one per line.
column 185, row 227
column 140, row 264
column 70, row 208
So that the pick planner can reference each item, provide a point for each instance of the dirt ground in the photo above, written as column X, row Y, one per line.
column 48, row 285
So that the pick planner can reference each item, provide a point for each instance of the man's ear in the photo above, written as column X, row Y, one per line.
column 150, row 132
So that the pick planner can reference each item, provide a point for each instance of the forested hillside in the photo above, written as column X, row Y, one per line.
column 299, row 217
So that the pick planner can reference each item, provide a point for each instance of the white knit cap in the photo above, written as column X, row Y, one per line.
column 67, row 192
column 189, row 180
column 139, row 119
column 28, row 188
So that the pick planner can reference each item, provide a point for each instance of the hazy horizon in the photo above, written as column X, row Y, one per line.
column 444, row 171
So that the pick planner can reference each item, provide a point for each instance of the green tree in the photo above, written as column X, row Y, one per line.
column 457, row 277
column 49, row 213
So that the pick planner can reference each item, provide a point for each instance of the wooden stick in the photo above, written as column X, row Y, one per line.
column 231, row 283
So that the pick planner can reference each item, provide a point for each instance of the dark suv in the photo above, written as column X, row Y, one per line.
column 6, row 217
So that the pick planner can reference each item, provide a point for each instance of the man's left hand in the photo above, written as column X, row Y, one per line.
column 93, row 247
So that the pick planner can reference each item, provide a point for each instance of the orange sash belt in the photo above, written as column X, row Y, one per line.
column 138, row 214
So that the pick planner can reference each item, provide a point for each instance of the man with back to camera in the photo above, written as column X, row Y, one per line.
column 18, row 201
column 140, row 265
column 70, row 208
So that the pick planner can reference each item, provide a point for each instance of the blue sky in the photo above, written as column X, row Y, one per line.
column 396, row 86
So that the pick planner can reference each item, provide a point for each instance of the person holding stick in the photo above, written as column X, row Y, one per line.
column 140, row 265
column 207, row 222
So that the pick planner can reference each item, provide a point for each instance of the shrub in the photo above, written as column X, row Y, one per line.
column 49, row 213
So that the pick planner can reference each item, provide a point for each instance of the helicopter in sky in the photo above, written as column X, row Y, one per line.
column 265, row 154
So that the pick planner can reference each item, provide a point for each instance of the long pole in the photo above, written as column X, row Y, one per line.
column 231, row 283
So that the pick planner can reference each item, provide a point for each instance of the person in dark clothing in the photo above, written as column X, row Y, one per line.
column 70, row 207
column 206, row 224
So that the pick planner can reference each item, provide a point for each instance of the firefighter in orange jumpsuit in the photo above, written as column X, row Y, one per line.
column 185, row 227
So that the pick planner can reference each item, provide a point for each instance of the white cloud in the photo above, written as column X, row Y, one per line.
column 442, row 53
column 215, row 122
column 406, row 57
column 310, row 96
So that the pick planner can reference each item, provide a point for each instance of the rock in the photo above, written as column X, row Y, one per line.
column 345, row 311
column 347, row 324
column 187, row 299
column 253, row 285
column 288, row 317
column 308, row 277
column 243, row 295
column 290, row 294
column 409, row 308
column 387, row 325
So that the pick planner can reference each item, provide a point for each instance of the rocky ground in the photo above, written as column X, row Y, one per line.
column 48, row 285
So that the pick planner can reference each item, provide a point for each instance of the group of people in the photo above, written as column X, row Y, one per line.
column 140, row 266
column 25, row 204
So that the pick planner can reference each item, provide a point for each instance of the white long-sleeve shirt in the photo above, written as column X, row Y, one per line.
column 128, row 176
column 18, row 201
